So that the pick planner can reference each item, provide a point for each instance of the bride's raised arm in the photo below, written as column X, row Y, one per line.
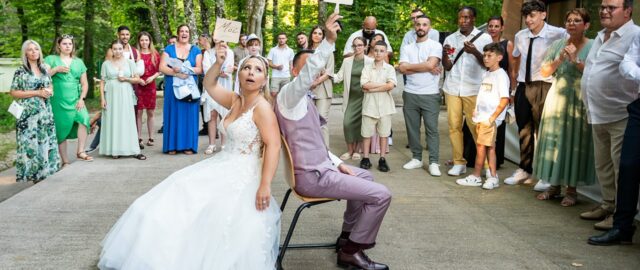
column 265, row 119
column 210, row 82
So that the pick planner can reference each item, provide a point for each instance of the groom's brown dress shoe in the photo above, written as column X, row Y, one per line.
column 358, row 260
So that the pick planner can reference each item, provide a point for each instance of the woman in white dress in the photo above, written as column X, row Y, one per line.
column 211, row 108
column 211, row 215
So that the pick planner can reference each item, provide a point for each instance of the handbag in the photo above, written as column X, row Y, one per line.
column 16, row 109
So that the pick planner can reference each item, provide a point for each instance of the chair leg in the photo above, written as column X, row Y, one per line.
column 284, row 201
column 287, row 238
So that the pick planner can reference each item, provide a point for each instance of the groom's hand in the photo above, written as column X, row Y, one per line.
column 332, row 27
column 345, row 169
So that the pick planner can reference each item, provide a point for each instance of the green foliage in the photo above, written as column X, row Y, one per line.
column 7, row 121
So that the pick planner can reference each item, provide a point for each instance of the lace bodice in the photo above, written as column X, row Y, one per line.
column 242, row 135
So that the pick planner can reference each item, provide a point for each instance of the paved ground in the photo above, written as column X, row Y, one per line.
column 432, row 222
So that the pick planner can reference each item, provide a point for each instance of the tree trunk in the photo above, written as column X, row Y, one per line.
column 165, row 19
column 191, row 19
column 220, row 9
column 24, row 29
column 204, row 16
column 275, row 19
column 322, row 12
column 296, row 13
column 89, row 10
column 243, row 4
column 157, row 36
column 57, row 23
column 254, row 22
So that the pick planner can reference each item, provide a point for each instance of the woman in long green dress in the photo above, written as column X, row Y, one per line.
column 350, row 72
column 37, row 147
column 118, row 134
column 70, row 85
column 564, row 155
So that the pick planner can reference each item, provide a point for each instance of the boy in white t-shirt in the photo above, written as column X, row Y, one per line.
column 489, row 113
column 377, row 79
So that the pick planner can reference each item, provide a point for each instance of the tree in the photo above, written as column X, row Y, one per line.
column 322, row 12
column 57, row 22
column 154, row 22
column 220, row 9
column 296, row 12
column 165, row 19
column 191, row 19
column 87, row 51
column 255, row 9
column 204, row 16
column 275, row 19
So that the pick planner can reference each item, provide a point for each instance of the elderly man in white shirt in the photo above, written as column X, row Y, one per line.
column 462, row 58
column 606, row 94
column 368, row 30
column 530, row 47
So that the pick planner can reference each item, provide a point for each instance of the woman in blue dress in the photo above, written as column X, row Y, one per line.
column 180, row 117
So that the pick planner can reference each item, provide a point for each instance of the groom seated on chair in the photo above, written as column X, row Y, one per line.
column 318, row 172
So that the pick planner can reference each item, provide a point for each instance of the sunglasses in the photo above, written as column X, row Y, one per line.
column 66, row 36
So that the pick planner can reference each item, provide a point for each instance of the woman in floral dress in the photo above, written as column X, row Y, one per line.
column 37, row 151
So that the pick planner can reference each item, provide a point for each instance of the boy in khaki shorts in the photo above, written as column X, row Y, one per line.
column 377, row 82
column 489, row 113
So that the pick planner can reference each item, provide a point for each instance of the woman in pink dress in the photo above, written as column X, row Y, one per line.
column 146, row 91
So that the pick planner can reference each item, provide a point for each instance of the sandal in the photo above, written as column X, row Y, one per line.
column 115, row 157
column 552, row 193
column 356, row 156
column 84, row 157
column 345, row 156
column 171, row 153
column 64, row 165
column 210, row 149
column 188, row 152
column 140, row 144
column 140, row 157
column 570, row 198
column 150, row 142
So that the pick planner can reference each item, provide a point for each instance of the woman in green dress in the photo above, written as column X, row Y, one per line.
column 118, row 134
column 70, row 85
column 350, row 72
column 37, row 151
column 564, row 155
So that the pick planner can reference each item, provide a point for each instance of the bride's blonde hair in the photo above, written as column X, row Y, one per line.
column 265, row 88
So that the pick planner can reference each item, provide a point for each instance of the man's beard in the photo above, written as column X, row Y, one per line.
column 367, row 35
column 421, row 34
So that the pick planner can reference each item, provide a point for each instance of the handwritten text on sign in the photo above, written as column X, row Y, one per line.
column 227, row 30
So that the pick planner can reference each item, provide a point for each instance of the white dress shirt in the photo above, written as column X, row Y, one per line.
column 465, row 76
column 545, row 38
column 347, row 46
column 630, row 66
column 292, row 98
column 606, row 93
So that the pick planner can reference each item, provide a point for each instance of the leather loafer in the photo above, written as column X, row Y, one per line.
column 359, row 260
column 365, row 163
column 613, row 237
column 341, row 242
column 382, row 165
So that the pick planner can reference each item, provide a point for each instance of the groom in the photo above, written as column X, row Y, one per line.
column 318, row 172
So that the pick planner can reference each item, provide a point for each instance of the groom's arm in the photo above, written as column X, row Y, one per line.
column 291, row 94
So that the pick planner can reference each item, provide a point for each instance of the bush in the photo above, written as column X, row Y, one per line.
column 7, row 121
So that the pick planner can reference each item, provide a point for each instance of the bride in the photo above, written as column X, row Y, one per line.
column 217, row 213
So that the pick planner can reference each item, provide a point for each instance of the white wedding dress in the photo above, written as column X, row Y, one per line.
column 202, row 216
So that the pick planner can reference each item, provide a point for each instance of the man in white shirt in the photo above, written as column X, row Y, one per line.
column 420, row 62
column 530, row 47
column 410, row 36
column 462, row 58
column 606, row 93
column 368, row 30
column 280, row 60
column 628, row 180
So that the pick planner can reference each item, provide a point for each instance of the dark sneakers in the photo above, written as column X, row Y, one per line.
column 365, row 163
column 382, row 165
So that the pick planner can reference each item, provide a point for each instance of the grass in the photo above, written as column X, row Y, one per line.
column 7, row 121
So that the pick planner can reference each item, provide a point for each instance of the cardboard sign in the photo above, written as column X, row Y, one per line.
column 227, row 30
column 342, row 2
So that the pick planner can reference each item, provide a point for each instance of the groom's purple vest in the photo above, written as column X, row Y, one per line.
column 304, row 136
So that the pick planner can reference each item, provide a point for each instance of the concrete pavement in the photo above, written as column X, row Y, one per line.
column 432, row 222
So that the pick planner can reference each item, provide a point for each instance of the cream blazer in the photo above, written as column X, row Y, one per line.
column 344, row 75
column 325, row 89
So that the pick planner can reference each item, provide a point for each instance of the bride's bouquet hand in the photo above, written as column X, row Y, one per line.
column 263, row 197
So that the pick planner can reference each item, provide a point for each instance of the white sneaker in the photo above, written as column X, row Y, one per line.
column 491, row 182
column 470, row 181
column 390, row 141
column 518, row 176
column 487, row 172
column 541, row 186
column 434, row 169
column 413, row 164
column 457, row 170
